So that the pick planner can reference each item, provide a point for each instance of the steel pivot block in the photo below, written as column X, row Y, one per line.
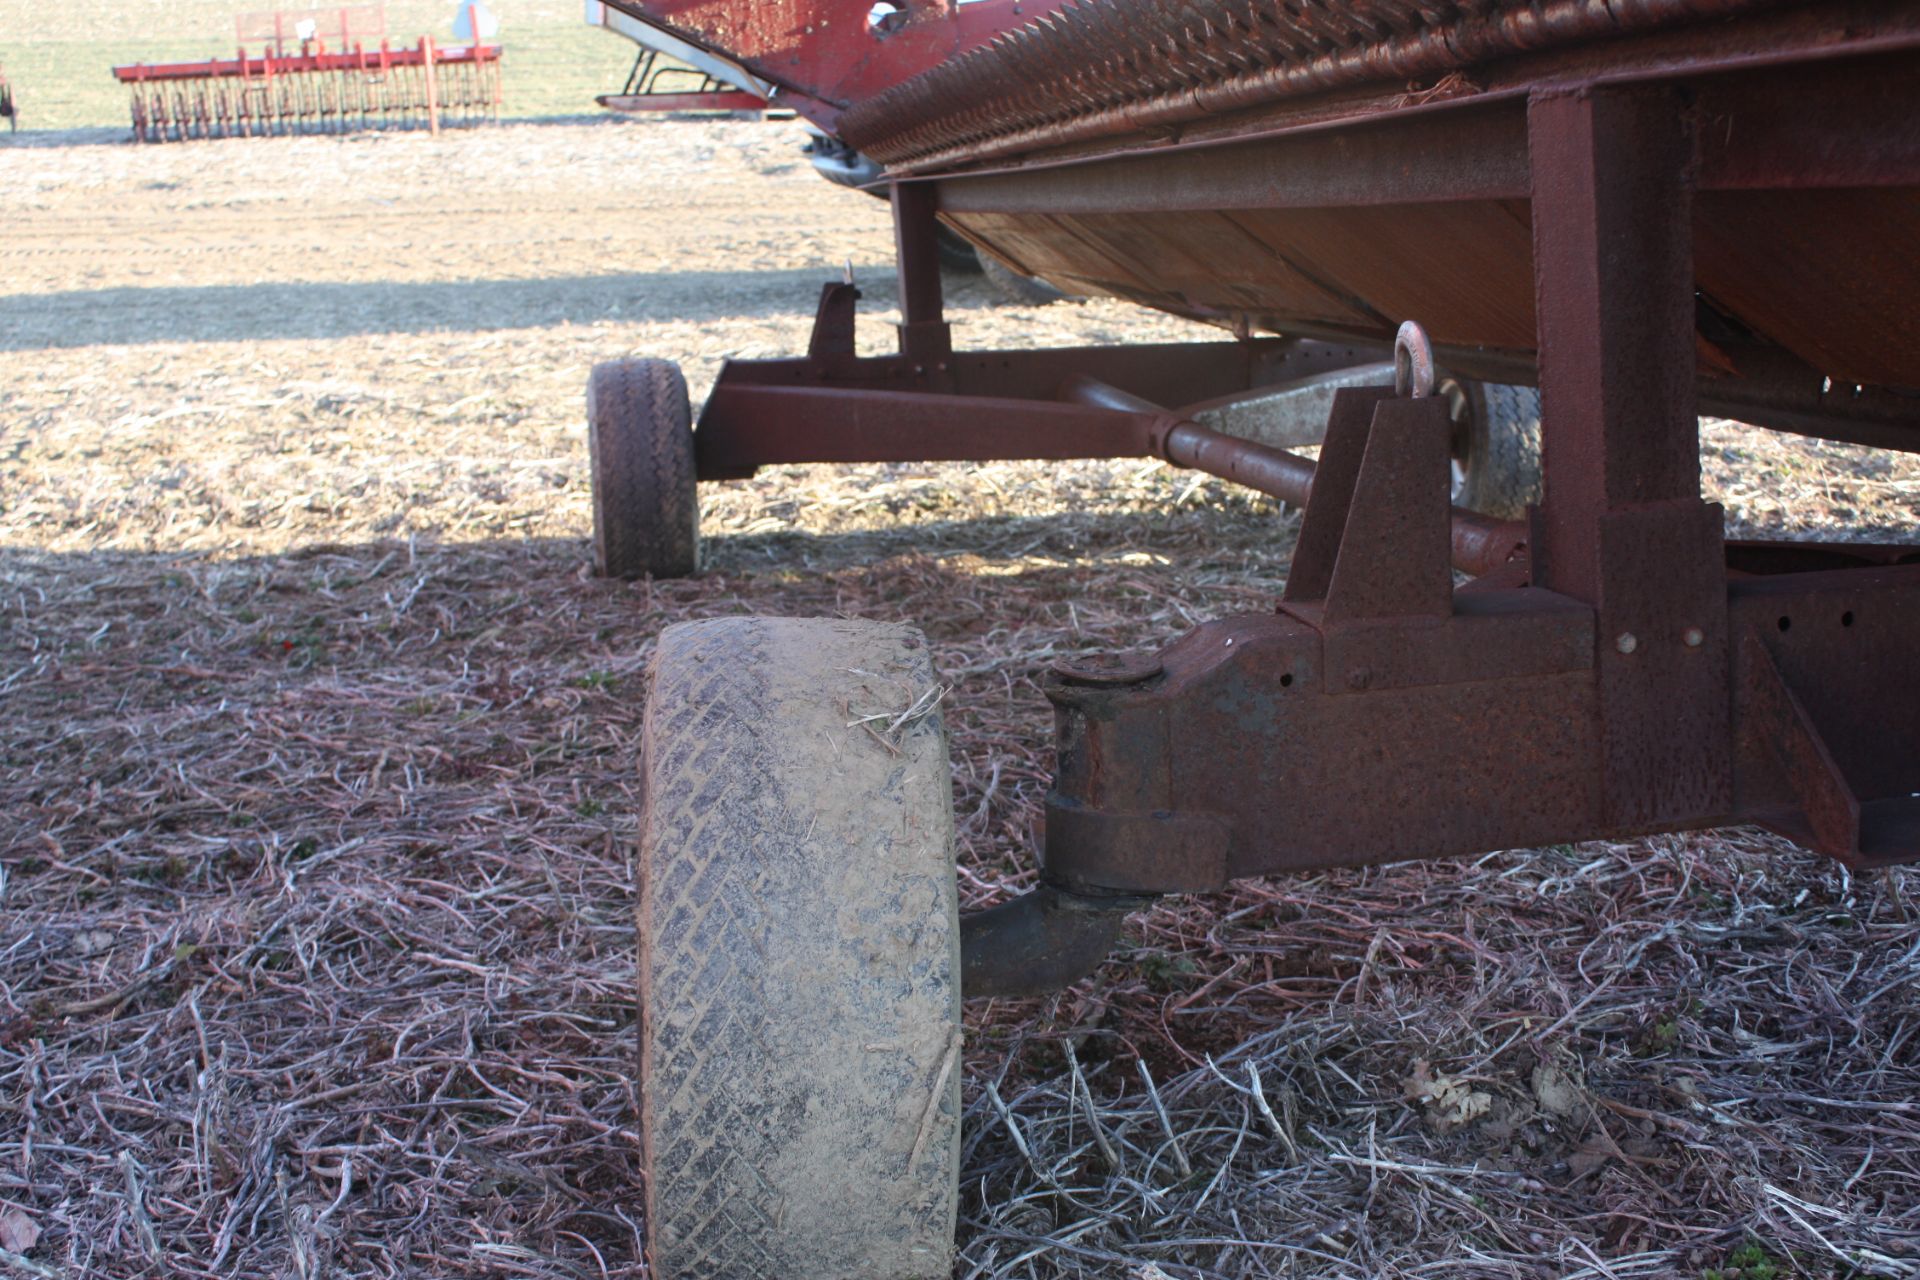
column 1240, row 755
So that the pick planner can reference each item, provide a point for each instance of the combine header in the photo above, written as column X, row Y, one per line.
column 1405, row 215
column 323, row 71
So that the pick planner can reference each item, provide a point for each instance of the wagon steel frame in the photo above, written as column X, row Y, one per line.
column 1614, row 666
column 1649, row 208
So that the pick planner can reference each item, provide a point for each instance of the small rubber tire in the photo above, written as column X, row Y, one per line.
column 1495, row 447
column 799, row 962
column 1014, row 289
column 646, row 508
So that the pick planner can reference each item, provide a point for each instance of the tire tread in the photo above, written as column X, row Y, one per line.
column 796, row 908
column 1503, row 470
column 646, row 514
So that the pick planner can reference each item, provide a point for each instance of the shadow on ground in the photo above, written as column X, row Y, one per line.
column 328, row 309
column 325, row 309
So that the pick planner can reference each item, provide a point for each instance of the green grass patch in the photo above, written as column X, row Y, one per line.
column 1750, row 1261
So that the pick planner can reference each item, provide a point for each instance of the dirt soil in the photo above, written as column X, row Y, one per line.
column 318, row 781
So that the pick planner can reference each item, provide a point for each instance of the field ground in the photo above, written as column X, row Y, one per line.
column 318, row 777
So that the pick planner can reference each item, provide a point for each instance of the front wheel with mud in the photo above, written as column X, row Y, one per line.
column 799, row 961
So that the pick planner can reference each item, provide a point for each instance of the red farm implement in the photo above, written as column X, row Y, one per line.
column 9, row 108
column 323, row 71
column 1501, row 254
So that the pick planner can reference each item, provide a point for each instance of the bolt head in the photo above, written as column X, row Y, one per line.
column 1627, row 642
column 1694, row 637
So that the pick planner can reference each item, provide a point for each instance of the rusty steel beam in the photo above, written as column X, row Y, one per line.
column 832, row 406
column 1835, row 122
column 968, row 406
column 1776, row 390
column 746, row 426
column 1166, row 372
column 1473, row 150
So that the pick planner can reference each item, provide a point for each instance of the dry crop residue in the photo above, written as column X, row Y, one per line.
column 319, row 774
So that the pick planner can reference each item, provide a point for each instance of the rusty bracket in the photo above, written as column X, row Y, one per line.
column 1143, row 851
column 1782, row 726
column 832, row 340
column 1394, row 557
column 1338, row 471
column 1373, row 561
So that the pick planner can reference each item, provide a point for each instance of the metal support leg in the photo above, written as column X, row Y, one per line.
column 1622, row 526
column 925, row 337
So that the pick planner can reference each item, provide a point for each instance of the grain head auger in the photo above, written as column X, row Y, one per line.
column 1603, row 219
column 319, row 71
